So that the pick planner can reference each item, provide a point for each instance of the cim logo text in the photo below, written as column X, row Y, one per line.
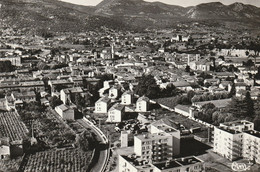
column 240, row 166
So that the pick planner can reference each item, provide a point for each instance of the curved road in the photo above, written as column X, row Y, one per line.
column 103, row 152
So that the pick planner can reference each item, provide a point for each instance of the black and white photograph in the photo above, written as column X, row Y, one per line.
column 129, row 85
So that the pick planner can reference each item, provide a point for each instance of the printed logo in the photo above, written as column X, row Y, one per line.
column 240, row 166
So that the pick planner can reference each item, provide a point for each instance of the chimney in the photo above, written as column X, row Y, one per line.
column 188, row 60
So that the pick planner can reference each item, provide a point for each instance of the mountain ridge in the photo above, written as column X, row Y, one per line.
column 55, row 15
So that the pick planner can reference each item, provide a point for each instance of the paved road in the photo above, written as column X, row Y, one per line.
column 102, row 152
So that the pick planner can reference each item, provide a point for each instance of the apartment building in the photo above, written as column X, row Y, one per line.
column 237, row 139
column 180, row 165
column 242, row 125
column 116, row 113
column 127, row 98
column 102, row 105
column 251, row 146
column 142, row 104
column 228, row 142
column 163, row 143
column 131, row 163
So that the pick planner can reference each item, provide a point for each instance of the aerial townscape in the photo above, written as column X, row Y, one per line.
column 129, row 86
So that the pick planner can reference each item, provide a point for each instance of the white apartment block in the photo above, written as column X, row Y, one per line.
column 228, row 143
column 237, row 139
column 127, row 98
column 242, row 125
column 142, row 104
column 130, row 163
column 102, row 105
column 188, row 164
column 160, row 145
column 251, row 146
column 114, row 92
column 116, row 113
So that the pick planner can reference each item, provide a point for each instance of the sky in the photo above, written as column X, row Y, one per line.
column 183, row 3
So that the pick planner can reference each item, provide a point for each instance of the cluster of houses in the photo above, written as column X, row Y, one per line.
column 116, row 104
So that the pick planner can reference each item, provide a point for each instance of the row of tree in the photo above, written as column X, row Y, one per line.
column 147, row 86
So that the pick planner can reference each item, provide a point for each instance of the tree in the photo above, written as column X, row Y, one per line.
column 187, row 69
column 207, row 112
column 55, row 101
column 86, row 141
column 79, row 101
column 222, row 58
column 169, row 91
column 249, row 105
column 147, row 86
column 237, row 107
column 190, row 95
column 257, row 123
column 232, row 91
column 6, row 66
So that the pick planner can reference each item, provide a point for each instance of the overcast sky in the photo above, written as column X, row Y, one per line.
column 184, row 3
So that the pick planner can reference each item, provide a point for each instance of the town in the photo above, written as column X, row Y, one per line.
column 155, row 101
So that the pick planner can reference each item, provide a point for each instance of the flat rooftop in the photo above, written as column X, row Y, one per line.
column 177, row 163
column 237, row 123
column 231, row 131
column 253, row 133
column 149, row 136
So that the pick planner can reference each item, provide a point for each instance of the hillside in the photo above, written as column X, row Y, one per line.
column 57, row 16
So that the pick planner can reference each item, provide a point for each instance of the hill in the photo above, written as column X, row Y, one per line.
column 57, row 16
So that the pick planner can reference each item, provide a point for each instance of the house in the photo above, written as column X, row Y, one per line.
column 4, row 148
column 142, row 104
column 202, row 65
column 127, row 98
column 65, row 94
column 102, row 105
column 116, row 113
column 240, row 86
column 182, row 85
column 29, row 96
column 114, row 92
column 184, row 110
column 45, row 102
column 65, row 112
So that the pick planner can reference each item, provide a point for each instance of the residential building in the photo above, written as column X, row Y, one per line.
column 228, row 143
column 187, row 164
column 127, row 98
column 65, row 94
column 184, row 110
column 4, row 148
column 142, row 104
column 240, row 125
column 237, row 139
column 114, row 92
column 116, row 113
column 163, row 143
column 251, row 146
column 131, row 163
column 102, row 105
column 65, row 112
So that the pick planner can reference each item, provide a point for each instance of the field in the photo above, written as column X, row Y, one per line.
column 48, row 128
column 10, row 165
column 12, row 127
column 168, row 101
column 70, row 160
